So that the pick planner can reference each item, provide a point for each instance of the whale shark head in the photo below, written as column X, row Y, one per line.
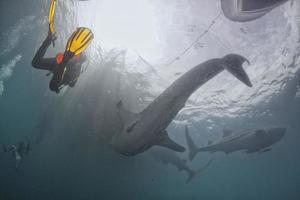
column 270, row 136
column 276, row 133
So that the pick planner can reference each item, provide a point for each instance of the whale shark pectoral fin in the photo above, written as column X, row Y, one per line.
column 165, row 141
column 125, row 115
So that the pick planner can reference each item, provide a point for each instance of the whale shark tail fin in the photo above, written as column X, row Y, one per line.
column 193, row 174
column 193, row 150
column 234, row 64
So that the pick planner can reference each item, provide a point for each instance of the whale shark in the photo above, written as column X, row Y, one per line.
column 251, row 141
column 140, row 131
column 166, row 156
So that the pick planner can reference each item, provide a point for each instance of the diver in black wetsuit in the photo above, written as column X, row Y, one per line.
column 66, row 67
column 66, row 75
column 18, row 152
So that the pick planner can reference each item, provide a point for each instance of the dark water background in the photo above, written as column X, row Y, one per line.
column 71, row 158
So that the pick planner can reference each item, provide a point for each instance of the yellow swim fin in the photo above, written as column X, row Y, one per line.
column 51, row 16
column 79, row 41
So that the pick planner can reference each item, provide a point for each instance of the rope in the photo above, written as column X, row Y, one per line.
column 196, row 41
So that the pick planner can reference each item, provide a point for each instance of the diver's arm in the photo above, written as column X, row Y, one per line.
column 77, row 69
column 76, row 74
column 39, row 61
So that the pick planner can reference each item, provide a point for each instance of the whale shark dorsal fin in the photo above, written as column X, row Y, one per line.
column 165, row 141
column 227, row 132
column 125, row 115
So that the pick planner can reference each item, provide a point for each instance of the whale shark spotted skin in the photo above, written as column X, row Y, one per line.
column 143, row 130
column 249, row 140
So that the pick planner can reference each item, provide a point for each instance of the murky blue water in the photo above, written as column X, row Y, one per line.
column 70, row 132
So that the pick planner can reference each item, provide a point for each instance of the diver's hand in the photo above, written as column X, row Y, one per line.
column 51, row 37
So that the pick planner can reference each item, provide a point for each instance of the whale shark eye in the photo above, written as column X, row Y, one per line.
column 129, row 129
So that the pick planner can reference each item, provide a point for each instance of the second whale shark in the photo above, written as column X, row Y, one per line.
column 251, row 141
column 143, row 130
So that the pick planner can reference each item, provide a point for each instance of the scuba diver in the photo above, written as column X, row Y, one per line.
column 18, row 152
column 66, row 67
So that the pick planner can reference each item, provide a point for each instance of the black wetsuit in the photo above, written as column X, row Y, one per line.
column 71, row 75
